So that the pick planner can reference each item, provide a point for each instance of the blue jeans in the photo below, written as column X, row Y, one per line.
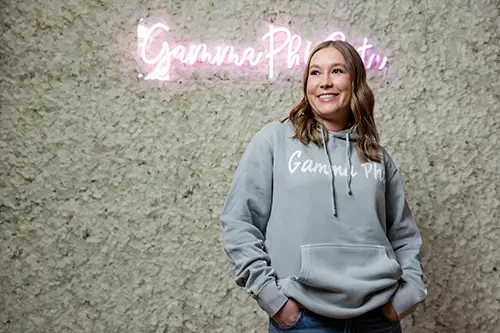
column 309, row 322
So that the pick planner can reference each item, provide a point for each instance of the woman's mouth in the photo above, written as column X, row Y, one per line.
column 327, row 97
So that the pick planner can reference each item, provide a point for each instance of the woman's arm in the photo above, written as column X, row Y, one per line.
column 244, row 219
column 406, row 241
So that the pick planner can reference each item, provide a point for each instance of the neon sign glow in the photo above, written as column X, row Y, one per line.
column 283, row 48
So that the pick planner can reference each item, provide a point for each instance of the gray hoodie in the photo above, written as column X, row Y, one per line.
column 318, row 225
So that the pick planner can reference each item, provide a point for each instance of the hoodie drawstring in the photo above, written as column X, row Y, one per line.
column 330, row 174
column 348, row 161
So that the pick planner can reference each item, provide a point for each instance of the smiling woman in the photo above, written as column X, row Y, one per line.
column 320, row 247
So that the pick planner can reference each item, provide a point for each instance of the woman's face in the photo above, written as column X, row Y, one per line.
column 329, row 88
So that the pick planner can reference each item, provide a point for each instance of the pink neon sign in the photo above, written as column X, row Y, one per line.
column 283, row 48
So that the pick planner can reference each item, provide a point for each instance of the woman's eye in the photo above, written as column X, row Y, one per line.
column 337, row 71
column 314, row 72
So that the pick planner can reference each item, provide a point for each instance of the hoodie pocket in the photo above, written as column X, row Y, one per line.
column 351, row 271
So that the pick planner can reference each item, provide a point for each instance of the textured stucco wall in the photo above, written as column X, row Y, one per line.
column 110, row 187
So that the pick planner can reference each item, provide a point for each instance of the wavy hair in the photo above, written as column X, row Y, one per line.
column 361, row 107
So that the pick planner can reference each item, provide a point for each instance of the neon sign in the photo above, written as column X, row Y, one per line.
column 283, row 49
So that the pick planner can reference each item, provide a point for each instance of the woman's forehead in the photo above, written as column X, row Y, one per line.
column 327, row 57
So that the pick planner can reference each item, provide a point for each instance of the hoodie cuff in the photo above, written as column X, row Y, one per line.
column 406, row 299
column 271, row 298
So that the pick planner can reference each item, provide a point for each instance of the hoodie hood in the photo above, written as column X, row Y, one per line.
column 353, row 136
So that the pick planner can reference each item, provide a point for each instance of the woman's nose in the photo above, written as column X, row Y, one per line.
column 326, row 81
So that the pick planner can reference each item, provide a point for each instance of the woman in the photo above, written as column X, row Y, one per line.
column 316, row 225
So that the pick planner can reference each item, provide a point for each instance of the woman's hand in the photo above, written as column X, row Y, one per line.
column 389, row 312
column 288, row 314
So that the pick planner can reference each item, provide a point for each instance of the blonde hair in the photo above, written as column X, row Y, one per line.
column 361, row 108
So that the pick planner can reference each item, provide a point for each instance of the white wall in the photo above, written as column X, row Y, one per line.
column 110, row 186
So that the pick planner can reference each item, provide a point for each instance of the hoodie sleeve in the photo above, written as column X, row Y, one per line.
column 244, row 219
column 406, row 241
